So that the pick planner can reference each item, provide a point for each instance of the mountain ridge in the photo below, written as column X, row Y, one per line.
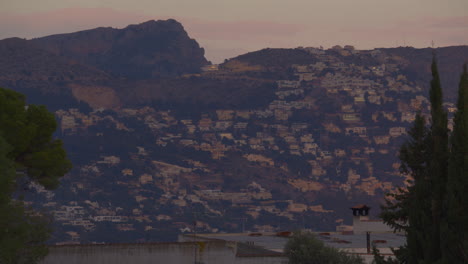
column 153, row 56
column 147, row 50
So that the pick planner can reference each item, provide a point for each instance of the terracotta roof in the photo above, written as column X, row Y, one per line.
column 360, row 206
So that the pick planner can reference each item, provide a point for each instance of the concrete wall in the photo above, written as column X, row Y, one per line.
column 361, row 225
column 211, row 252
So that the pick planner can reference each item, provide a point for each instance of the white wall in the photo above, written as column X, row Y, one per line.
column 361, row 225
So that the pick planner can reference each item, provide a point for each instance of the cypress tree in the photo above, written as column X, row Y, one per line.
column 418, row 210
column 400, row 210
column 438, row 164
column 455, row 228
column 414, row 159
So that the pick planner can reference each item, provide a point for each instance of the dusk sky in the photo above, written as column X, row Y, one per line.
column 229, row 28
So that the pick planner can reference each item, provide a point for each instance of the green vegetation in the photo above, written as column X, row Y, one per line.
column 28, row 130
column 304, row 247
column 454, row 232
column 26, row 144
column 433, row 209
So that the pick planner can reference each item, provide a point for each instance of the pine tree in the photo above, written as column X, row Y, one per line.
column 26, row 144
column 22, row 231
column 455, row 228
column 28, row 130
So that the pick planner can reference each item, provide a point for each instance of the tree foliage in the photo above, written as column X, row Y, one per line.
column 454, row 233
column 26, row 145
column 305, row 248
column 398, row 211
column 7, row 173
column 432, row 210
column 22, row 231
column 438, row 165
column 23, row 234
column 379, row 259
column 28, row 130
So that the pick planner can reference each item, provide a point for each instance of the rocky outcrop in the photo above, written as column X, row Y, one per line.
column 148, row 50
column 90, row 66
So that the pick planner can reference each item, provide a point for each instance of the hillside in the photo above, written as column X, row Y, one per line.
column 277, row 58
column 43, row 76
column 414, row 63
column 22, row 60
column 418, row 69
column 271, row 140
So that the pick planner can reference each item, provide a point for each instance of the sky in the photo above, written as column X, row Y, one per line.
column 229, row 28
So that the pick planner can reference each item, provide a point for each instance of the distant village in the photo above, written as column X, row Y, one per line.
column 345, row 122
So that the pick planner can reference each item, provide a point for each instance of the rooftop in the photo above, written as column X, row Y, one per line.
column 273, row 242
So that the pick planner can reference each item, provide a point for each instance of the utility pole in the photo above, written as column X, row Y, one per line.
column 368, row 242
column 195, row 240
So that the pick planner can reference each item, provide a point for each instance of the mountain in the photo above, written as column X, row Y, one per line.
column 148, row 50
column 89, row 67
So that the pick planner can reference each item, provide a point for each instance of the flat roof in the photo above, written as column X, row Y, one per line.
column 383, row 240
column 276, row 243
column 267, row 240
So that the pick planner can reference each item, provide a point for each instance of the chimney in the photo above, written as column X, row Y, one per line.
column 360, row 212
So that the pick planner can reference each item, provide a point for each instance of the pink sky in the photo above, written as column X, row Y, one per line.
column 224, row 37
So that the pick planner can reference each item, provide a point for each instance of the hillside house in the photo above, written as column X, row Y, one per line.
column 223, row 125
column 245, row 114
column 205, row 124
column 225, row 114
column 308, row 76
column 287, row 84
column 397, row 131
column 408, row 117
column 359, row 131
column 340, row 153
column 68, row 122
column 297, row 207
column 110, row 218
column 351, row 117
column 282, row 114
column 240, row 125
column 381, row 140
